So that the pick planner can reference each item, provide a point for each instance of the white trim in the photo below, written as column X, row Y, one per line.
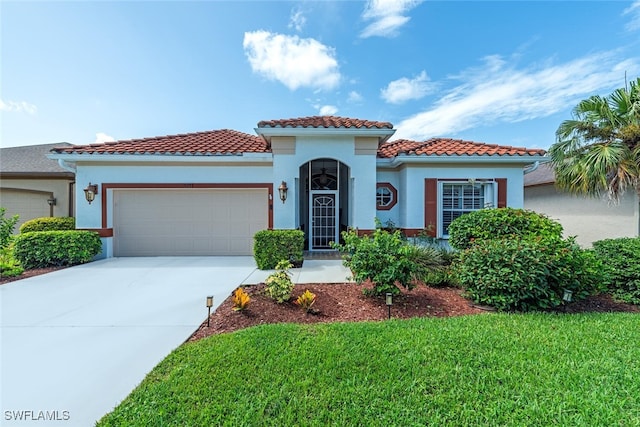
column 408, row 159
column 162, row 158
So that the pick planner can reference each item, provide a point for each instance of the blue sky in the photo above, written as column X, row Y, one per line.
column 503, row 72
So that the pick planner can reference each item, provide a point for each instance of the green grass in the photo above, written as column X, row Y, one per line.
column 498, row 369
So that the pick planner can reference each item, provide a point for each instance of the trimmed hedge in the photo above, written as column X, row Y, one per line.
column 527, row 274
column 488, row 224
column 621, row 259
column 272, row 246
column 55, row 248
column 48, row 224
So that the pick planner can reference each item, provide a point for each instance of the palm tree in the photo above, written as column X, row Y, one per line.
column 598, row 151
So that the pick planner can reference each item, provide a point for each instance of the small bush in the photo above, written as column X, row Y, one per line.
column 387, row 259
column 241, row 300
column 527, row 274
column 498, row 223
column 48, row 224
column 6, row 228
column 306, row 300
column 9, row 266
column 278, row 285
column 621, row 259
column 272, row 246
column 56, row 248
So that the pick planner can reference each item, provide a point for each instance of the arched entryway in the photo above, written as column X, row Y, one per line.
column 324, row 202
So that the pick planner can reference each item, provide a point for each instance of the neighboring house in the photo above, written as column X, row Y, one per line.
column 207, row 193
column 586, row 218
column 32, row 185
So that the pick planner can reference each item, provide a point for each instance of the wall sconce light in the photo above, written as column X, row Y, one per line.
column 209, row 305
column 90, row 192
column 51, row 201
column 282, row 190
column 389, row 302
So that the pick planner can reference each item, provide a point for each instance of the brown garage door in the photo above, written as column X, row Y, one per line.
column 188, row 222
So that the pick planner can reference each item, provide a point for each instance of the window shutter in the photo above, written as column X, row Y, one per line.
column 431, row 205
column 502, row 192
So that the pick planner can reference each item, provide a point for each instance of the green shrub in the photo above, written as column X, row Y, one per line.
column 48, row 224
column 621, row 259
column 503, row 222
column 279, row 285
column 55, row 248
column 527, row 274
column 9, row 266
column 272, row 246
column 6, row 228
column 443, row 276
column 387, row 259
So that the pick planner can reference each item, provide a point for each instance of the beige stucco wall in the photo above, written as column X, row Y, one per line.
column 588, row 219
column 59, row 188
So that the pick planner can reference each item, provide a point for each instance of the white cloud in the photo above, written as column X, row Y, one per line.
column 498, row 92
column 291, row 60
column 18, row 107
column 355, row 97
column 634, row 11
column 404, row 89
column 327, row 110
column 297, row 20
column 387, row 16
column 101, row 138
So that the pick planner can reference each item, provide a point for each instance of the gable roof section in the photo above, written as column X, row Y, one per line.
column 31, row 161
column 451, row 147
column 209, row 143
column 324, row 122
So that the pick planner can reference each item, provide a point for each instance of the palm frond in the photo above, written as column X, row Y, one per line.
column 598, row 150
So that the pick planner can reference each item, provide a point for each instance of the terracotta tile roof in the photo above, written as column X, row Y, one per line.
column 217, row 142
column 31, row 160
column 451, row 147
column 324, row 122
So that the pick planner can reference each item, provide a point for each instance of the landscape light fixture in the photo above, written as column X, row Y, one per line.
column 209, row 305
column 567, row 295
column 90, row 192
column 389, row 302
column 282, row 191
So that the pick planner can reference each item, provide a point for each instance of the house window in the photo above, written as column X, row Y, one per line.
column 386, row 196
column 461, row 198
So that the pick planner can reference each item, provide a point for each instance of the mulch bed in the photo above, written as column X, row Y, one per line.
column 346, row 303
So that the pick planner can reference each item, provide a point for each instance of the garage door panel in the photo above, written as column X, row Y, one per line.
column 25, row 204
column 188, row 222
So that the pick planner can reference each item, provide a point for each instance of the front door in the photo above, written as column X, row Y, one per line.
column 323, row 219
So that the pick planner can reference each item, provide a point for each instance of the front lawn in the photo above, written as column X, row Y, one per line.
column 495, row 369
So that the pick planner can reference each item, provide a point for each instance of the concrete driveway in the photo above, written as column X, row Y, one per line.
column 75, row 342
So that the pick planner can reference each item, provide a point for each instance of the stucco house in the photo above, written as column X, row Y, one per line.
column 33, row 186
column 207, row 193
column 586, row 218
